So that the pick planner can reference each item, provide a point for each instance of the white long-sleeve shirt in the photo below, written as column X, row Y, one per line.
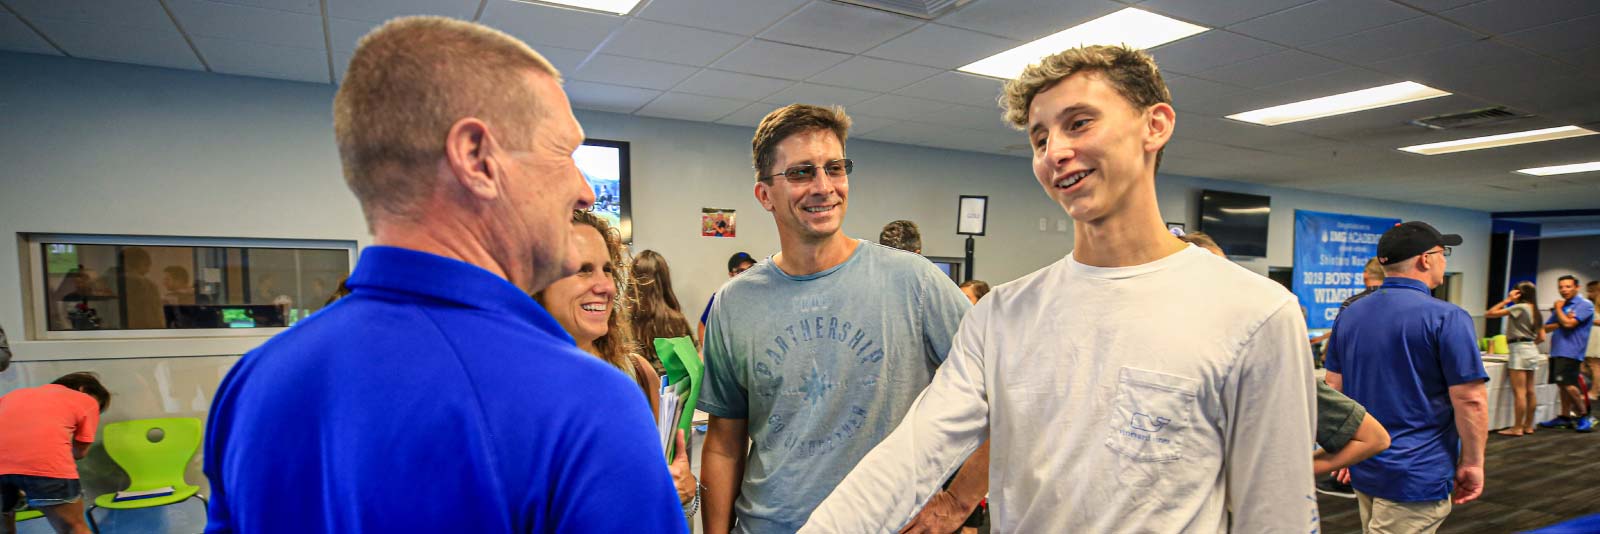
column 1154, row 398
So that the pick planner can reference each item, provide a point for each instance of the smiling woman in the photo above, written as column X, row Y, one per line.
column 586, row 303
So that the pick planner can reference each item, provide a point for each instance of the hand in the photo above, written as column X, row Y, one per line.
column 1469, row 484
column 681, row 476
column 942, row 515
column 1342, row 475
column 1560, row 303
column 1514, row 295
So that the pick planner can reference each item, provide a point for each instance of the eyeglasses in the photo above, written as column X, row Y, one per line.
column 803, row 174
column 1445, row 252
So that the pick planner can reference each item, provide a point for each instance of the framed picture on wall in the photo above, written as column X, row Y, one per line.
column 605, row 165
column 973, row 214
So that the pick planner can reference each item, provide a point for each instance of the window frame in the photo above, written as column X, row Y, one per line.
column 35, row 294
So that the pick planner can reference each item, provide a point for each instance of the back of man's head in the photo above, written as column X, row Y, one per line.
column 88, row 383
column 902, row 235
column 408, row 82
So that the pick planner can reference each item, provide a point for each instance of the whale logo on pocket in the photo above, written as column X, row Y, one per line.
column 1147, row 423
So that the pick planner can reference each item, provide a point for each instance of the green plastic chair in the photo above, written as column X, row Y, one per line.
column 150, row 464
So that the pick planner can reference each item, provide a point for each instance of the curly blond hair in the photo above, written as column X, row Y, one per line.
column 618, row 346
column 1132, row 72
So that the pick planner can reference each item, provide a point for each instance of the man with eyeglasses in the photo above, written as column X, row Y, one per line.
column 815, row 354
column 1412, row 361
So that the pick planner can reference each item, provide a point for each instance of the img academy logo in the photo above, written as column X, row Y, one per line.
column 826, row 358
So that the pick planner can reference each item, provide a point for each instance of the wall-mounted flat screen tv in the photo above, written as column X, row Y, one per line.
column 1237, row 221
column 605, row 166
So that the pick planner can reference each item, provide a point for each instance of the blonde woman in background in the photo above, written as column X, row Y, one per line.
column 587, row 307
column 1523, row 335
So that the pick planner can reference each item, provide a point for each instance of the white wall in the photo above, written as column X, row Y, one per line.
column 1564, row 256
column 92, row 147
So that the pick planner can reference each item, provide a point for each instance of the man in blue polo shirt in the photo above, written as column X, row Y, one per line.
column 438, row 396
column 1569, row 341
column 1412, row 360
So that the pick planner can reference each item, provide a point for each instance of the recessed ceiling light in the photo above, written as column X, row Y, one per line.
column 1133, row 27
column 1350, row 102
column 1493, row 141
column 1563, row 169
column 620, row 7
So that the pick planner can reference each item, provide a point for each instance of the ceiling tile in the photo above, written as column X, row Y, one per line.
column 1233, row 100
column 671, row 43
column 691, row 107
column 778, row 60
column 382, row 10
column 627, row 71
column 124, row 13
column 125, row 44
column 865, row 124
column 545, row 25
column 264, row 60
column 564, row 60
column 901, row 107
column 1435, row 6
column 1271, row 69
column 1506, row 16
column 1188, row 90
column 1560, row 37
column 202, row 18
column 750, row 115
column 873, row 74
column 343, row 34
column 1332, row 83
column 968, row 117
column 1027, row 20
column 821, row 95
column 18, row 37
column 942, row 46
column 957, row 87
column 1415, row 36
column 612, row 98
column 743, row 17
column 1218, row 14
column 1323, row 20
column 1210, row 50
column 725, row 84
column 839, row 27
column 308, row 7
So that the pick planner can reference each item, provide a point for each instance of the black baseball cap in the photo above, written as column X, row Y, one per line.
column 1409, row 239
column 737, row 259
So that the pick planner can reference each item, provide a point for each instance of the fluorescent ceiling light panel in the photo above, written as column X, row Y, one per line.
column 1495, row 141
column 1133, row 27
column 1563, row 169
column 620, row 7
column 1340, row 104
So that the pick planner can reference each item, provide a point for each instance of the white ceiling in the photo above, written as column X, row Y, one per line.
column 732, row 61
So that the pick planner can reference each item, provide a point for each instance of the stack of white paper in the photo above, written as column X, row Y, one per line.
column 667, row 416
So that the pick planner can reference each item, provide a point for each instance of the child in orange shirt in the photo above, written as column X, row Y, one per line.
column 44, row 431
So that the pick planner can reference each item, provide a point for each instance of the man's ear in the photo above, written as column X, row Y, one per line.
column 1158, row 128
column 473, row 158
column 764, row 195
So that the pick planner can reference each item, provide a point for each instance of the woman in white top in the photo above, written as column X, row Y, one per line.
column 1523, row 334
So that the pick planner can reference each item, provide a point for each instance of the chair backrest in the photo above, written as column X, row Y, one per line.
column 155, row 464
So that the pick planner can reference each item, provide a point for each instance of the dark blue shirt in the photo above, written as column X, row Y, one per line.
column 1573, row 342
column 436, row 397
column 1399, row 351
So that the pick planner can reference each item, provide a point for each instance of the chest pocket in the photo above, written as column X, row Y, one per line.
column 1150, row 415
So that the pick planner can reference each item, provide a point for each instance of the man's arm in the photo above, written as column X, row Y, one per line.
column 948, row 510
column 80, row 450
column 1561, row 317
column 722, row 471
column 1334, row 380
column 1268, row 401
column 1472, row 423
column 1370, row 439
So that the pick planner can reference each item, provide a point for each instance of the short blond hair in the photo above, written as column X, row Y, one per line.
column 408, row 82
column 1374, row 269
column 787, row 121
column 1132, row 72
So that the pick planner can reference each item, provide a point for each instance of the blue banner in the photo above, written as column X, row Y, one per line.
column 1330, row 251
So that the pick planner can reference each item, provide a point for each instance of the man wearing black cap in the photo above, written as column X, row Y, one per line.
column 1412, row 360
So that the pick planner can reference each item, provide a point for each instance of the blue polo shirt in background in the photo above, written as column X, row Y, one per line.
column 1399, row 351
column 1572, row 342
column 436, row 397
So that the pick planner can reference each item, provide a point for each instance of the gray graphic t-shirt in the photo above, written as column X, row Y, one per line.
column 822, row 366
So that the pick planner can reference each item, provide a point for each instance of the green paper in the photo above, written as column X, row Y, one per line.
column 685, row 372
